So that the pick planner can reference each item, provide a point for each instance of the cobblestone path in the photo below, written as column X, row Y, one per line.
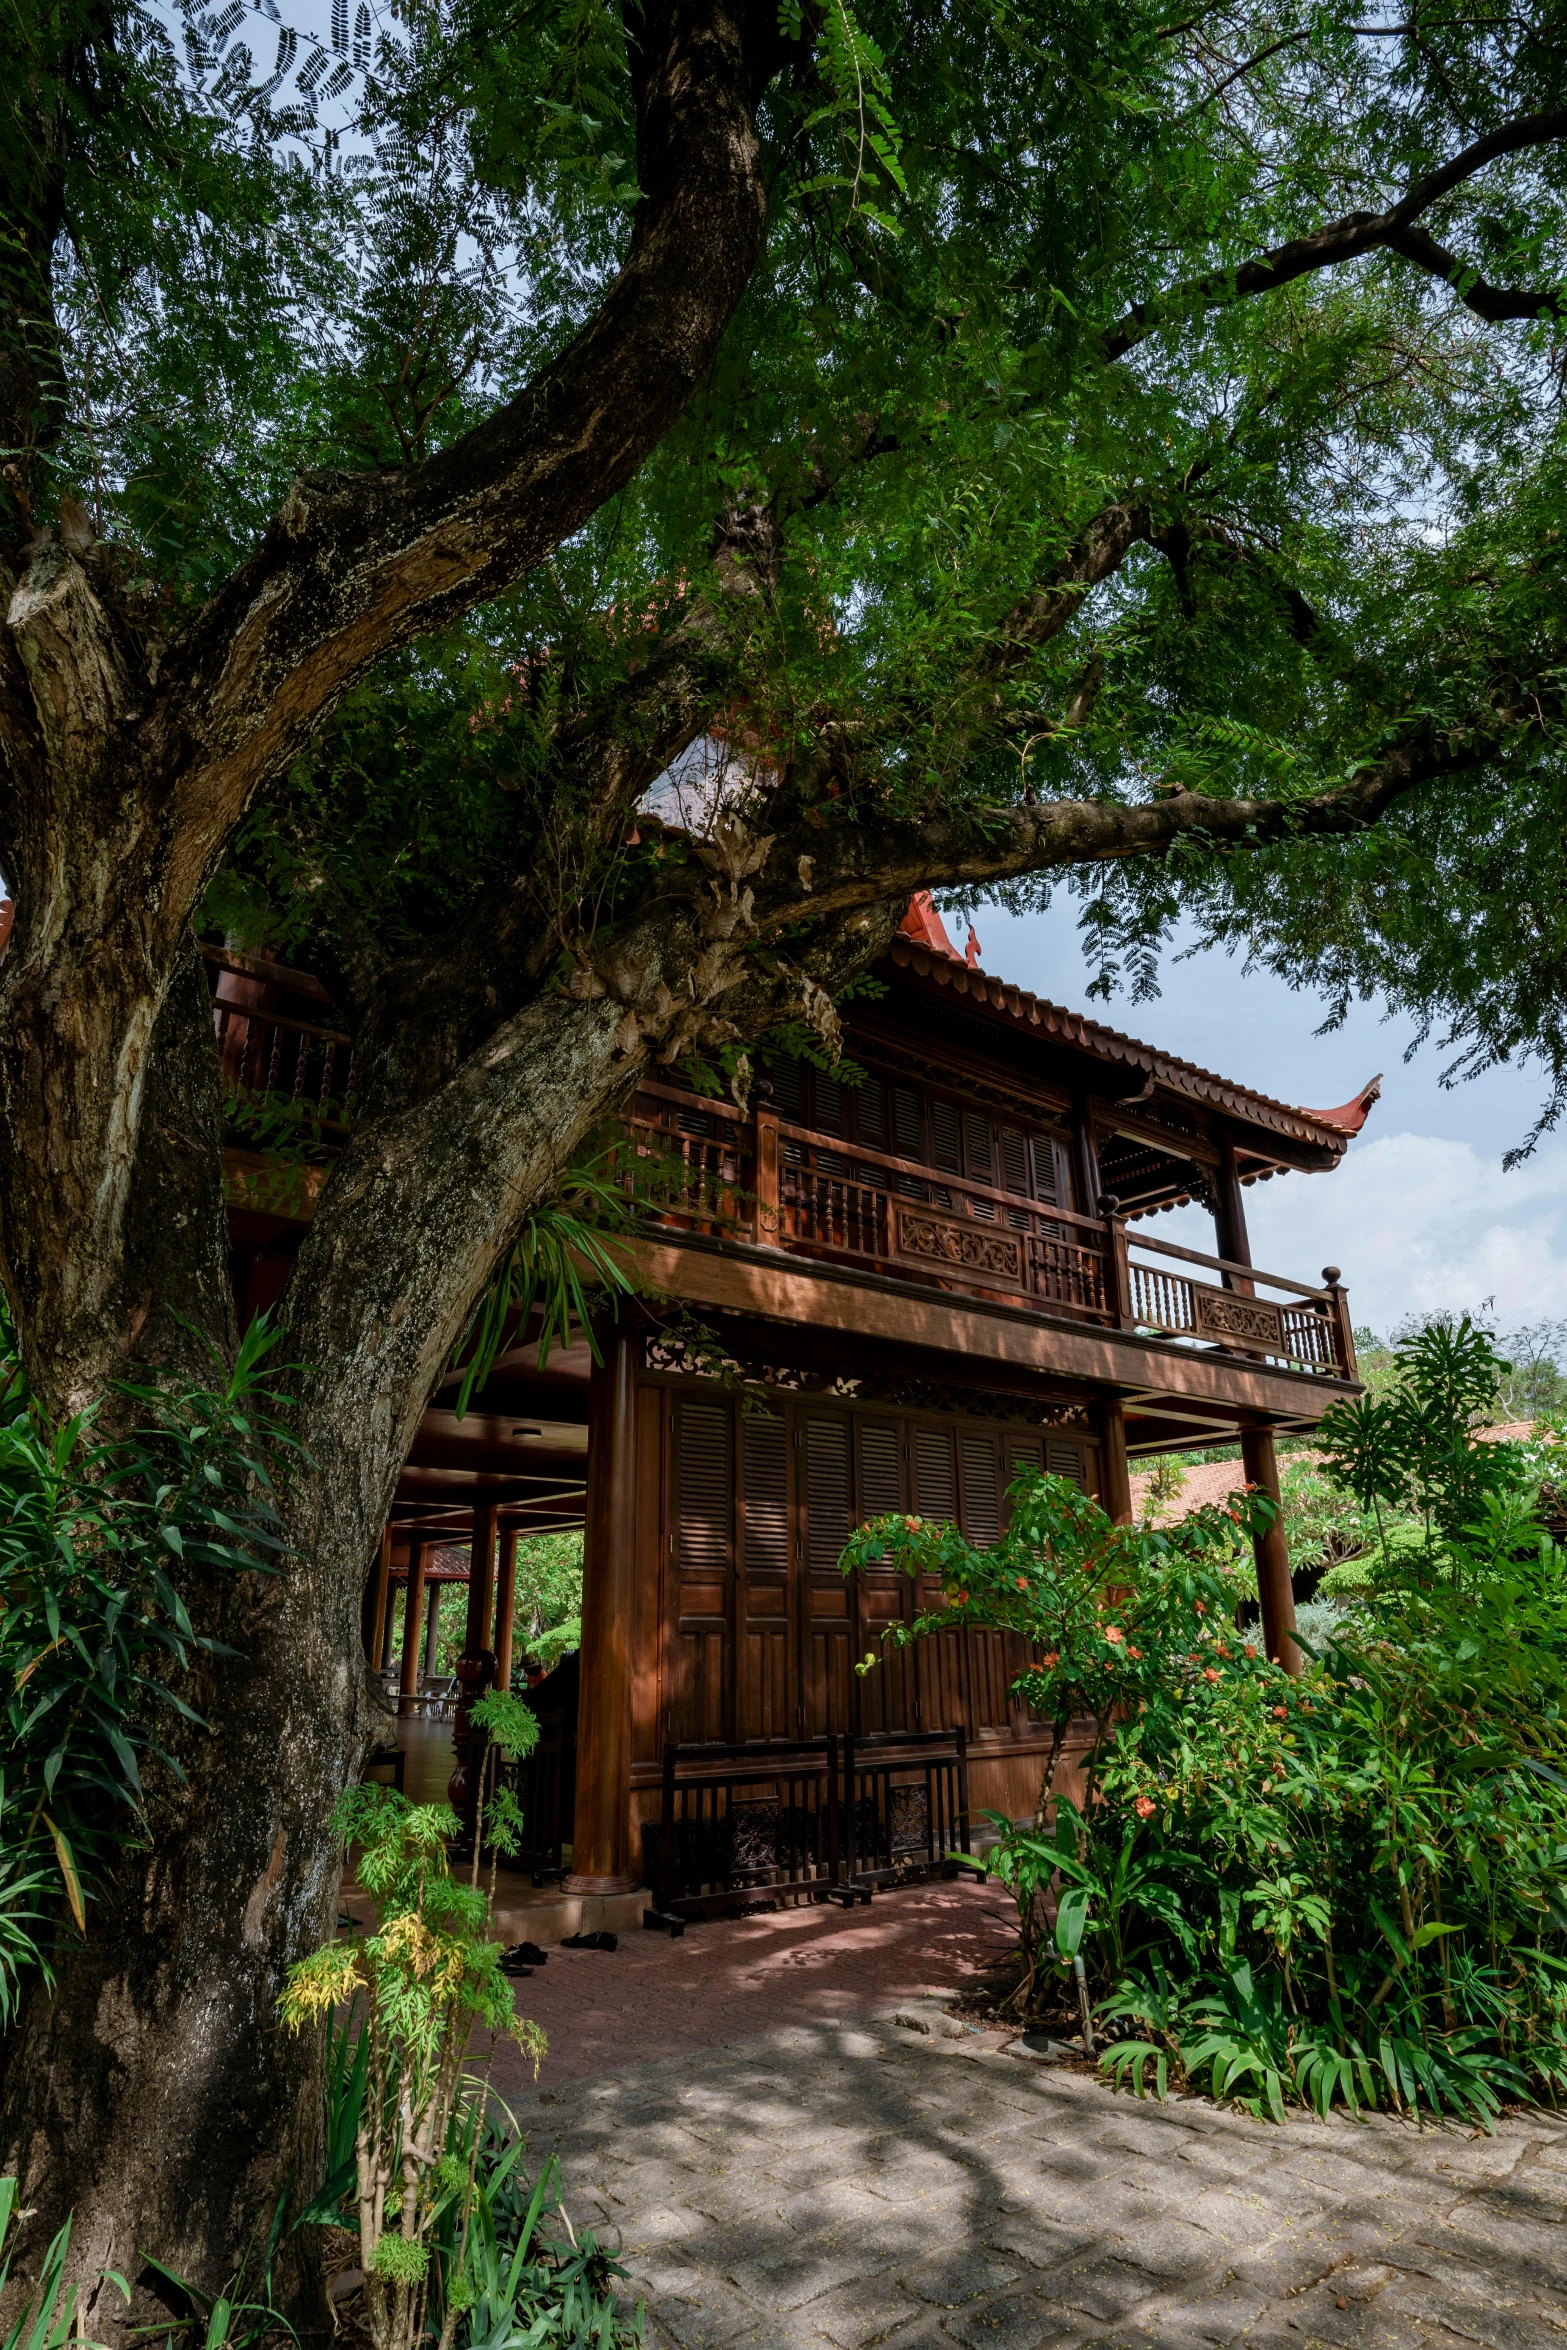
column 847, row 2182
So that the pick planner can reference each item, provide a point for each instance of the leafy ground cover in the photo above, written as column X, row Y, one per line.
column 1346, row 1888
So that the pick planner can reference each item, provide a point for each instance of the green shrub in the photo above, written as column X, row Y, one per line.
column 1347, row 1888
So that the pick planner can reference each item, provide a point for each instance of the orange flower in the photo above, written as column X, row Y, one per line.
column 1022, row 1582
column 1114, row 1632
column 1052, row 1657
column 1209, row 1674
column 1222, row 1650
column 1202, row 1607
column 1137, row 1652
column 1144, row 1807
column 912, row 1524
column 1281, row 1713
column 1251, row 1648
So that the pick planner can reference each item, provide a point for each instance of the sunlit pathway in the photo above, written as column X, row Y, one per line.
column 785, row 2167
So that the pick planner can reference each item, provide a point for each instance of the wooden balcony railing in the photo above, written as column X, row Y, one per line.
column 289, row 1075
column 761, row 1179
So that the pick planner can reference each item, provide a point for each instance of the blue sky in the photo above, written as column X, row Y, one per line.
column 1420, row 1214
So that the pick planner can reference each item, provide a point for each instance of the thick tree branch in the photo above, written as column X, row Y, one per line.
column 355, row 565
column 867, row 864
column 1366, row 232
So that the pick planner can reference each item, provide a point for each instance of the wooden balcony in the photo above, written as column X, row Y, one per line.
column 280, row 1072
column 761, row 1180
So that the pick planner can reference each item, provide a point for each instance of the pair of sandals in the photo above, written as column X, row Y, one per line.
column 591, row 1942
column 522, row 1958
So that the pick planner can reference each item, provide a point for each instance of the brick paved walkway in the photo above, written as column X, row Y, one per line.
column 722, row 1984
column 816, row 2178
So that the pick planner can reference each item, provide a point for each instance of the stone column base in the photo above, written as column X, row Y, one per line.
column 591, row 1885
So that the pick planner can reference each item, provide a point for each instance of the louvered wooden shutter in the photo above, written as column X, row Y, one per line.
column 829, row 1104
column 766, row 1489
column 908, row 1126
column 881, row 1480
column 936, row 1485
column 870, row 1113
column 704, row 1472
column 829, row 1498
column 788, row 1090
column 1065, row 1459
column 1019, row 1452
column 946, row 1146
column 981, row 1504
column 1014, row 1171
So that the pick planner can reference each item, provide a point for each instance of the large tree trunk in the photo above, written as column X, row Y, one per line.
column 153, row 2093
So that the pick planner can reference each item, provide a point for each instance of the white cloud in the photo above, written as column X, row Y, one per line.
column 1418, row 1222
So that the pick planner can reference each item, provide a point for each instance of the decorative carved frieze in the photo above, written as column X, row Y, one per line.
column 684, row 1355
column 974, row 1248
column 1243, row 1321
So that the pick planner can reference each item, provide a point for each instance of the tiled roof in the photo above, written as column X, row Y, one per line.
column 1323, row 1129
column 1207, row 1481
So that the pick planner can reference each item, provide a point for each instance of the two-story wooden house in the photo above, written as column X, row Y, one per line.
column 867, row 1292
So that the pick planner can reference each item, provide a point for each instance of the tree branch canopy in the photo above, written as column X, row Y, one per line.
column 1358, row 233
column 354, row 566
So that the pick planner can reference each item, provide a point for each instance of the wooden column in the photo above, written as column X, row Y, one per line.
column 375, row 1599
column 1274, row 1588
column 505, row 1607
column 1085, row 1157
column 389, row 1630
column 412, row 1603
column 601, row 1855
column 432, row 1630
column 1115, row 1476
column 1229, row 1219
column 481, row 1581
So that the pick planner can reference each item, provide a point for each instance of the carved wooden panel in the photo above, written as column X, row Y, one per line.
column 978, row 1249
column 1240, row 1321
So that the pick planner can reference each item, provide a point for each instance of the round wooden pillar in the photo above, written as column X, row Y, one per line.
column 505, row 1607
column 413, row 1601
column 1274, row 1589
column 375, row 1608
column 1115, row 1476
column 601, row 1855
